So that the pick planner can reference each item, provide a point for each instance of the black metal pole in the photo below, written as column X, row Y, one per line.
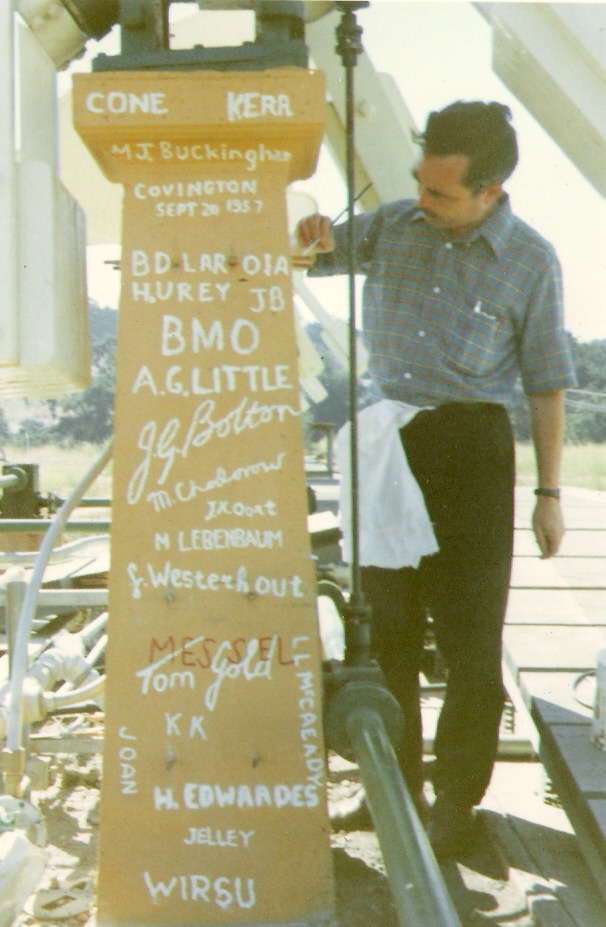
column 357, row 625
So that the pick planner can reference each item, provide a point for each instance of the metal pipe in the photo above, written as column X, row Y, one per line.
column 90, row 659
column 91, row 692
column 94, row 628
column 13, row 739
column 11, row 481
column 418, row 889
column 15, row 594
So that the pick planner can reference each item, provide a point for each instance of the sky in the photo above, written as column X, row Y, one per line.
column 439, row 52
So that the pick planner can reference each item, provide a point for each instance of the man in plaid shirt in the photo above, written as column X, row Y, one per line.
column 462, row 299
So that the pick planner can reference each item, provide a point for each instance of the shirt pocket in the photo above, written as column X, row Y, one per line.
column 479, row 339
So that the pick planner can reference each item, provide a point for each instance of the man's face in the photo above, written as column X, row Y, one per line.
column 444, row 199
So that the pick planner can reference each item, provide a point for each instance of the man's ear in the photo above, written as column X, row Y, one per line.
column 492, row 192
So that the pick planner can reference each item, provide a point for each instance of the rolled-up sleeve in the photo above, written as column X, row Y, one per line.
column 546, row 362
column 366, row 228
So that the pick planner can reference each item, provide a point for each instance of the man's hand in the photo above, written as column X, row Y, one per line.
column 314, row 235
column 548, row 526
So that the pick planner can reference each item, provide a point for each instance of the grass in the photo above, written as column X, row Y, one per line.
column 61, row 468
column 583, row 465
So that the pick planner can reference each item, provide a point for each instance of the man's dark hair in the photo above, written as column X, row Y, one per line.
column 482, row 131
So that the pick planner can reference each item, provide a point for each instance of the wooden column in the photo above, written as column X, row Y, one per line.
column 213, row 803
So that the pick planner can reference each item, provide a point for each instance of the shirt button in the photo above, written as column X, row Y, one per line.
column 421, row 334
column 437, row 289
column 408, row 376
column 448, row 246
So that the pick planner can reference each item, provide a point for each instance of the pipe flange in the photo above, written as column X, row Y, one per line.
column 355, row 695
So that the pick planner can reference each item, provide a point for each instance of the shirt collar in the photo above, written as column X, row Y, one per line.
column 495, row 229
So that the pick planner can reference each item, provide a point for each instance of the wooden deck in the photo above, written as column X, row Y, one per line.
column 554, row 869
column 556, row 624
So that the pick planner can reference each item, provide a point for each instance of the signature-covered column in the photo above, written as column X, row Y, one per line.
column 213, row 804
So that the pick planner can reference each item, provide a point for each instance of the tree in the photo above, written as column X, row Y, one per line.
column 88, row 416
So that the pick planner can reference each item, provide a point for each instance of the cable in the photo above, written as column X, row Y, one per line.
column 589, row 674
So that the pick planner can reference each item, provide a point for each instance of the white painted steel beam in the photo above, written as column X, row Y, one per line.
column 9, row 333
column 54, row 28
column 44, row 345
column 383, row 122
column 552, row 56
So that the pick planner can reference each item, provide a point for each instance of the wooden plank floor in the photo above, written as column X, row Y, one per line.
column 556, row 624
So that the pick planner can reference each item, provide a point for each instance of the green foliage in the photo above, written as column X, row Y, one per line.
column 85, row 416
column 585, row 406
column 88, row 416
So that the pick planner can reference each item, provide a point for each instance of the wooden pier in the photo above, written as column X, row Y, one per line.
column 556, row 624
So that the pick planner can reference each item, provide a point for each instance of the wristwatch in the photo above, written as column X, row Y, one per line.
column 544, row 491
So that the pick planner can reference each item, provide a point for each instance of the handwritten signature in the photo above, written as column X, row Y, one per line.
column 169, row 442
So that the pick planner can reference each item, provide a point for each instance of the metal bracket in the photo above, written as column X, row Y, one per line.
column 279, row 41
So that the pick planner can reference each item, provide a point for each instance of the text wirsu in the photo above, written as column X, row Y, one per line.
column 223, row 892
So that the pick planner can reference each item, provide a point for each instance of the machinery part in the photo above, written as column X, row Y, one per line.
column 68, row 900
column 279, row 40
column 20, row 654
column 21, row 867
column 17, row 814
column 418, row 890
column 13, row 478
column 364, row 692
column 21, row 498
column 93, row 18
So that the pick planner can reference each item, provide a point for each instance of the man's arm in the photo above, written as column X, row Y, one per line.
column 547, row 426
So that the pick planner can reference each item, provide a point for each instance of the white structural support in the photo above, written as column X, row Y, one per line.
column 9, row 335
column 552, row 56
column 54, row 29
column 44, row 347
column 383, row 122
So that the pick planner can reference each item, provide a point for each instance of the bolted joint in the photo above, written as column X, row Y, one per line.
column 93, row 18
column 347, row 698
column 349, row 33
column 357, row 617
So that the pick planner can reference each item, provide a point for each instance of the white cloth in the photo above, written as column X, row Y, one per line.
column 395, row 528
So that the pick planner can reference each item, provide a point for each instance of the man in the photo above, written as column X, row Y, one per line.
column 461, row 300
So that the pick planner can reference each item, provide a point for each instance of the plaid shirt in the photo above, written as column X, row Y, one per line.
column 457, row 320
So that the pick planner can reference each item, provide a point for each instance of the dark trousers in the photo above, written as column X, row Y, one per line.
column 463, row 459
